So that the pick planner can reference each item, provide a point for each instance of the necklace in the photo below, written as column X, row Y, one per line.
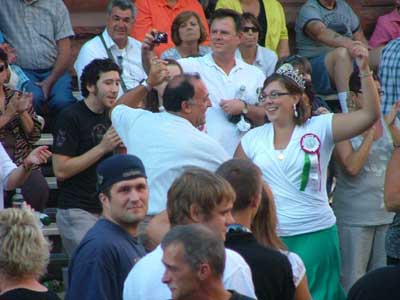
column 280, row 155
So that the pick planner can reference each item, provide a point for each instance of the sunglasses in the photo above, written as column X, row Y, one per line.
column 2, row 68
column 248, row 28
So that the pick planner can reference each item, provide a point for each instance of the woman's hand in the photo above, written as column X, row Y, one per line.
column 21, row 102
column 391, row 116
column 360, row 53
column 38, row 156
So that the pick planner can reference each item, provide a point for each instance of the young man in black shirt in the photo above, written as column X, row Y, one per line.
column 271, row 270
column 83, row 136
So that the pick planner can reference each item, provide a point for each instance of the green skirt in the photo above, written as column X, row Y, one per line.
column 320, row 253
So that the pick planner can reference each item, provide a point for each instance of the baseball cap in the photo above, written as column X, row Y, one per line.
column 117, row 168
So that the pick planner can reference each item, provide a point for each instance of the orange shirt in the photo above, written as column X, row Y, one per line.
column 158, row 15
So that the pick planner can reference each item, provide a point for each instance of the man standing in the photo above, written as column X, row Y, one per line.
column 194, row 259
column 115, row 43
column 197, row 196
column 40, row 32
column 169, row 141
column 276, row 283
column 232, row 84
column 326, row 31
column 82, row 138
column 109, row 250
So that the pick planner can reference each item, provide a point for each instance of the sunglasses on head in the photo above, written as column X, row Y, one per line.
column 248, row 28
column 2, row 68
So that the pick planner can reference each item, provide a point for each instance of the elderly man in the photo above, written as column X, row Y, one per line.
column 82, row 138
column 115, row 44
column 232, row 84
column 41, row 38
column 197, row 196
column 109, row 250
column 326, row 31
column 194, row 259
column 167, row 142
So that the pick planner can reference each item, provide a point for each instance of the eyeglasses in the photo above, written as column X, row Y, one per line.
column 273, row 96
column 2, row 68
column 248, row 28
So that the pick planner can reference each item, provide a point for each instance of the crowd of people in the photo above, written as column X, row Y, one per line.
column 201, row 160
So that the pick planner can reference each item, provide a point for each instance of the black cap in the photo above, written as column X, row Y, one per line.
column 117, row 168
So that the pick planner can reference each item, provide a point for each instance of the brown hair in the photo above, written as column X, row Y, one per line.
column 294, row 89
column 265, row 221
column 245, row 178
column 196, row 187
column 181, row 18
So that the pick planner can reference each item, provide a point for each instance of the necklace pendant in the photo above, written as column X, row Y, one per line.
column 280, row 156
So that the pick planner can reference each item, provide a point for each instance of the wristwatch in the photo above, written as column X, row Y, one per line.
column 245, row 109
column 145, row 84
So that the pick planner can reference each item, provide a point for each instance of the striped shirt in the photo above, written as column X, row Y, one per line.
column 389, row 74
column 33, row 28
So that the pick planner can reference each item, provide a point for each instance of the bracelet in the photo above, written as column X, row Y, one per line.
column 145, row 84
column 25, row 167
column 365, row 74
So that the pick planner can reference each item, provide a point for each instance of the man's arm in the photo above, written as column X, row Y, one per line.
column 317, row 31
column 392, row 182
column 61, row 64
column 65, row 167
column 283, row 48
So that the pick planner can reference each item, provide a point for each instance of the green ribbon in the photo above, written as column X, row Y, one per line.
column 306, row 172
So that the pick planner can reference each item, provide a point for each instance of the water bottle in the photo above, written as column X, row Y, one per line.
column 238, row 95
column 43, row 218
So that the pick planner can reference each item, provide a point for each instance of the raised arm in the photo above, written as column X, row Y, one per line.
column 392, row 182
column 353, row 160
column 348, row 125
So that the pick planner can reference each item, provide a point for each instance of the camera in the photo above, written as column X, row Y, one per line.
column 160, row 37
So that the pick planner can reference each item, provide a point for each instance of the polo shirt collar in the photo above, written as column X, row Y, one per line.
column 110, row 42
column 163, row 3
column 209, row 60
column 394, row 15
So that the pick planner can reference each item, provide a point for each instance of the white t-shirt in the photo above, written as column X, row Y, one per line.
column 266, row 59
column 6, row 166
column 298, row 211
column 222, row 86
column 144, row 280
column 166, row 143
column 298, row 267
column 131, row 55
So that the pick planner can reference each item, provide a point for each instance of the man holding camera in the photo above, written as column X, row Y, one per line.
column 115, row 43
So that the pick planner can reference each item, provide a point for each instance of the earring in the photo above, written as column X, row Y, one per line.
column 295, row 112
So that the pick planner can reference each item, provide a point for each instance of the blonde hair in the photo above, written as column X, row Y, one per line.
column 24, row 251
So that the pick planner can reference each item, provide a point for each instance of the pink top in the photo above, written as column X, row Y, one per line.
column 387, row 28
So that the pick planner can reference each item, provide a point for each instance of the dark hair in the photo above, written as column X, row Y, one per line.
column 265, row 221
column 245, row 178
column 227, row 13
column 200, row 244
column 4, row 57
column 197, row 187
column 293, row 88
column 249, row 17
column 179, row 89
column 181, row 18
column 355, row 81
column 123, row 5
column 92, row 71
column 151, row 100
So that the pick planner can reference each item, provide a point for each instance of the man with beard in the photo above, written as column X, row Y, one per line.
column 82, row 138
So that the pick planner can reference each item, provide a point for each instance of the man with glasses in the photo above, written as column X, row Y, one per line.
column 168, row 141
column 116, row 44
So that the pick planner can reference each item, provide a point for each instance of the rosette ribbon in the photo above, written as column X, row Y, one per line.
column 311, row 175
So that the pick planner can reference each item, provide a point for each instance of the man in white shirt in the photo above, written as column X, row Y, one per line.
column 114, row 41
column 169, row 141
column 197, row 196
column 224, row 76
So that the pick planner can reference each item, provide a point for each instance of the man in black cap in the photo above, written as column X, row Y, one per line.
column 109, row 250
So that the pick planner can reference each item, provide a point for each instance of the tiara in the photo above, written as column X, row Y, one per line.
column 288, row 71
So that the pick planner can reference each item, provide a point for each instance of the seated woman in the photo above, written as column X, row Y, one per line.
column 293, row 152
column 249, row 50
column 271, row 17
column 24, row 255
column 187, row 32
column 264, row 230
column 20, row 128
